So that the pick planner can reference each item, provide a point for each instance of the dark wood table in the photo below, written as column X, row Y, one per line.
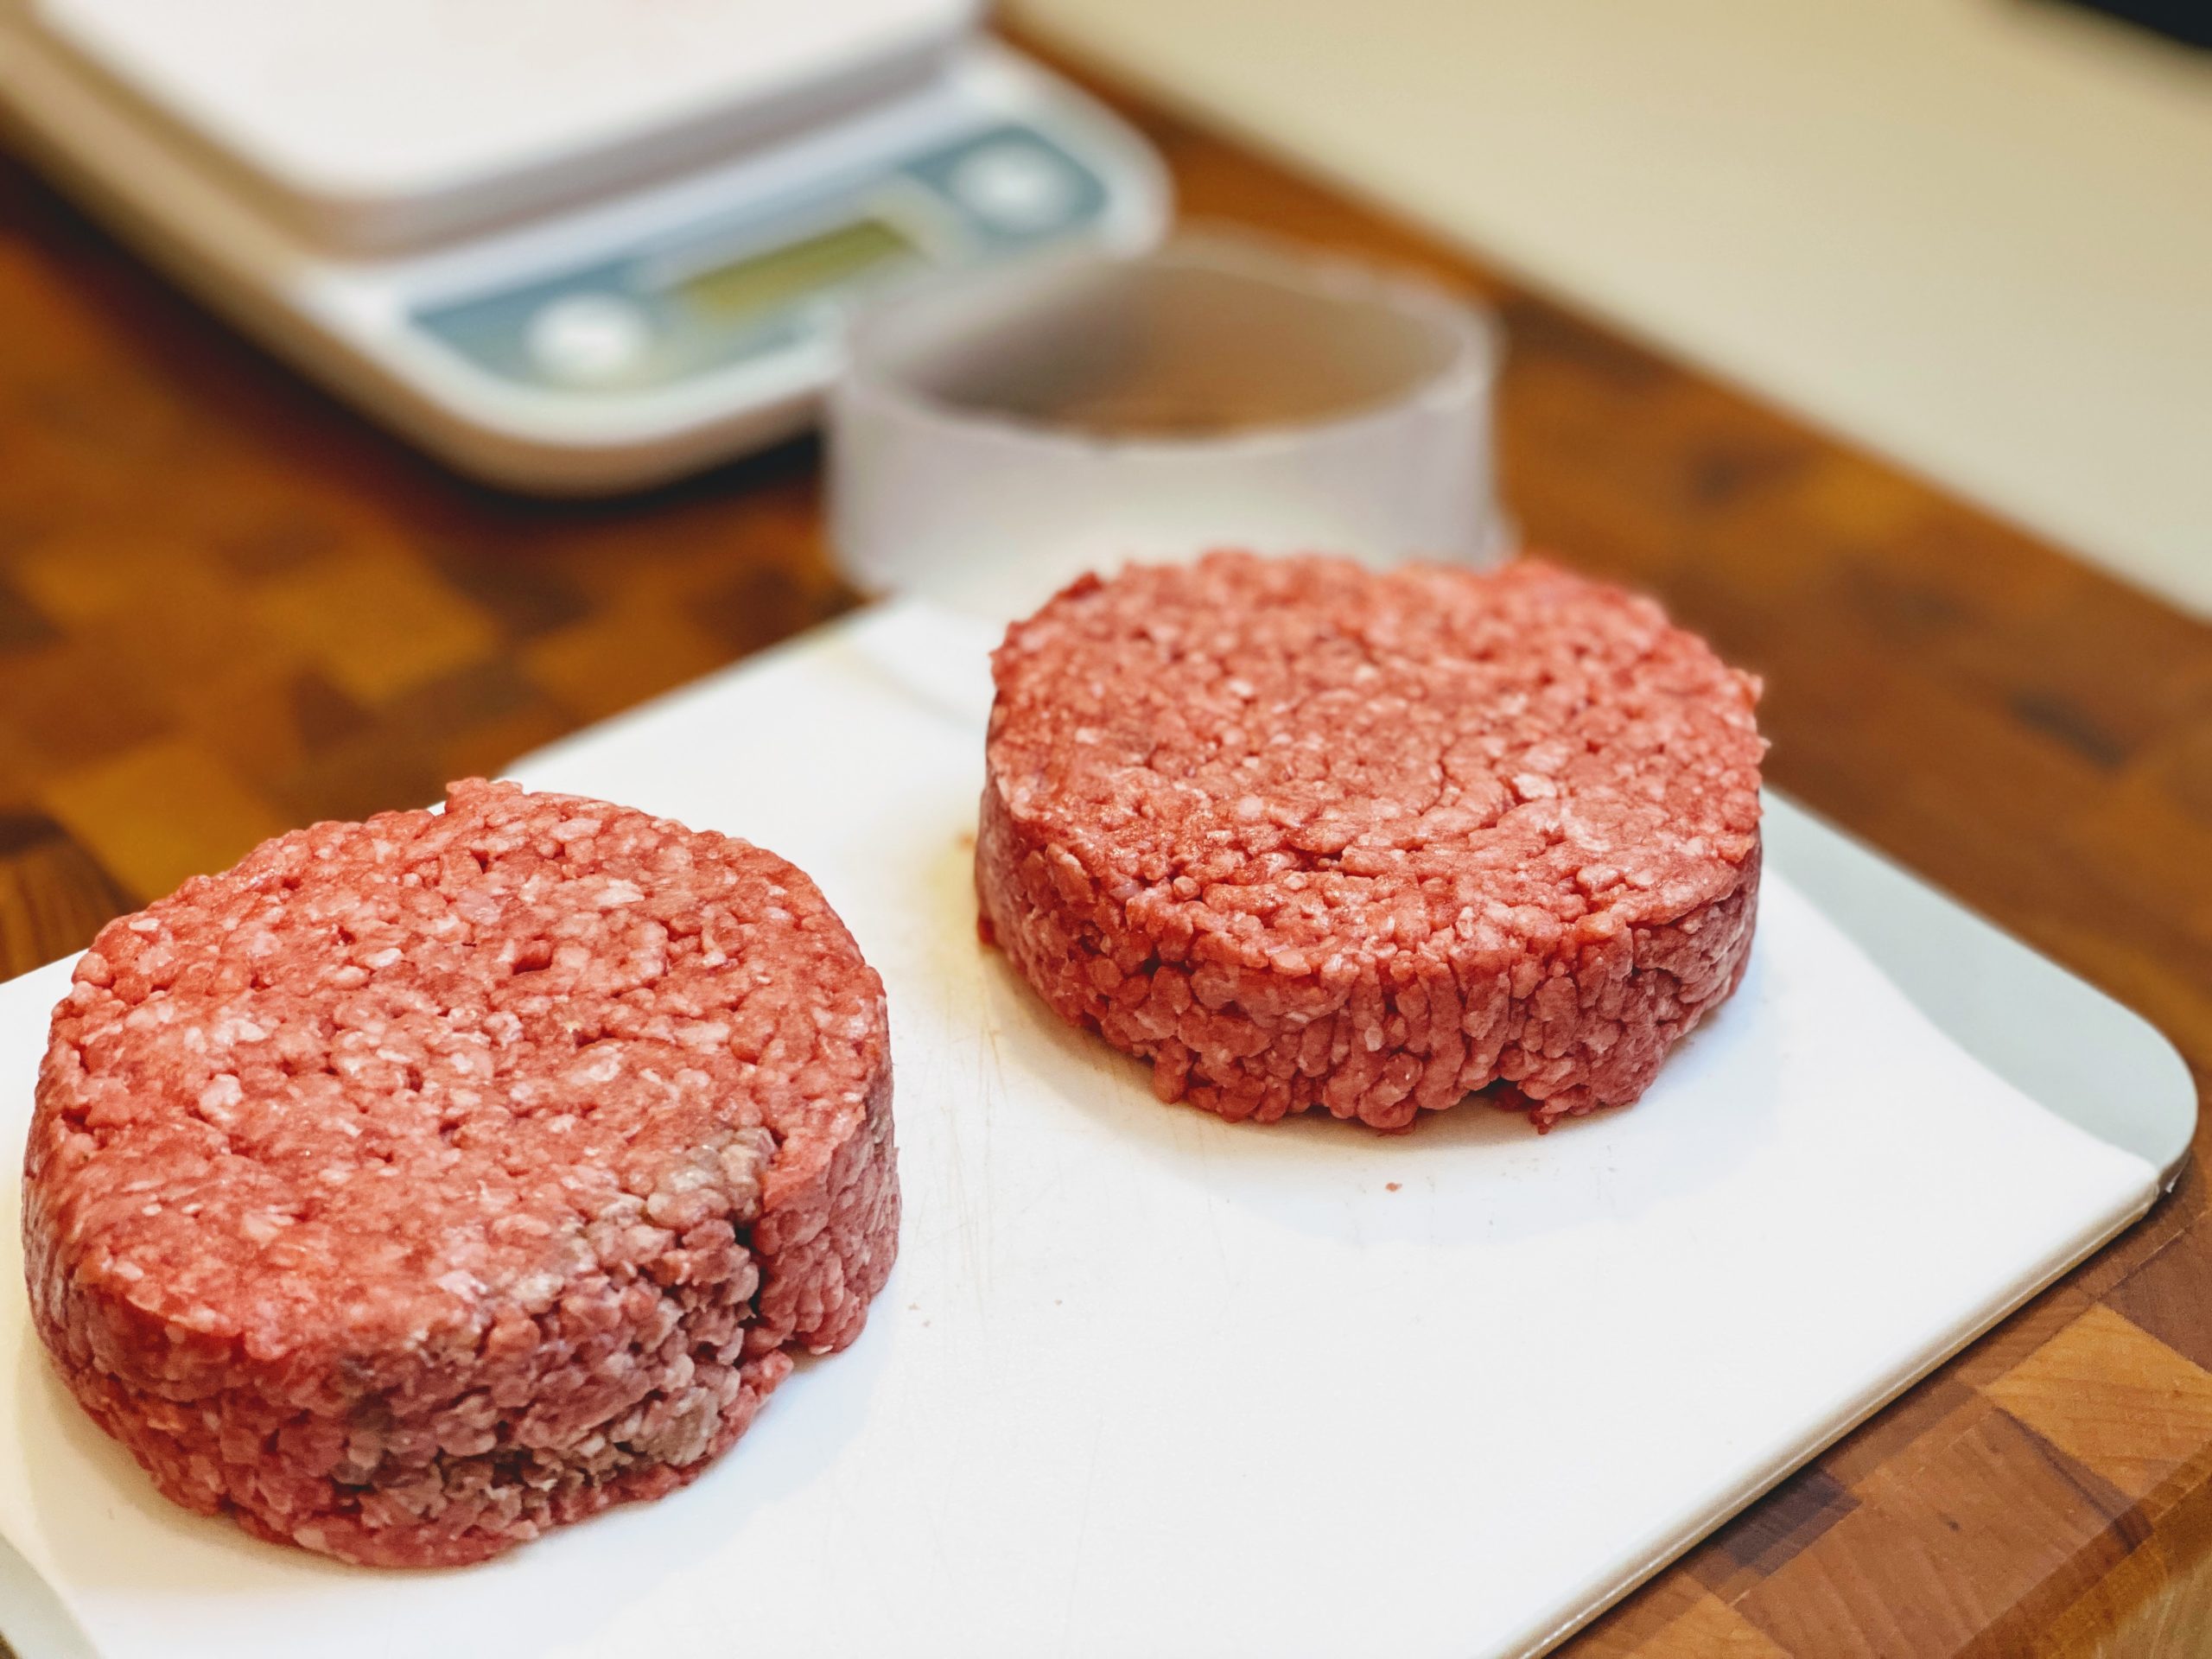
column 228, row 606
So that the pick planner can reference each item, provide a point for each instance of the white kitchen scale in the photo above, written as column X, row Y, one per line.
column 568, row 245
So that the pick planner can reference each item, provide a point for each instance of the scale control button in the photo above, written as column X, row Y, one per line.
column 589, row 337
column 1016, row 187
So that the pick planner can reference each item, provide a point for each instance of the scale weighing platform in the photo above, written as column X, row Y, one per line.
column 571, row 246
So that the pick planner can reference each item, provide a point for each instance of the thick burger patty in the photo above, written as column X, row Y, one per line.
column 422, row 1183
column 1305, row 834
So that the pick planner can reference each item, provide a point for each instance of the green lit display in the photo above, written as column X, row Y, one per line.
column 769, row 281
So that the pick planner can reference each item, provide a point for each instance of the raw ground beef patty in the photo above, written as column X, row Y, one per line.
column 1302, row 835
column 422, row 1183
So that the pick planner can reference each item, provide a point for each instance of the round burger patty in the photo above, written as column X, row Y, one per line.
column 421, row 1184
column 1302, row 834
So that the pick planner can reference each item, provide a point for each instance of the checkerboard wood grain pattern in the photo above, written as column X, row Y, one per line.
column 228, row 607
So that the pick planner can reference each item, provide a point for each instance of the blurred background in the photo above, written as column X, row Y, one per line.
column 1876, row 335
column 1972, row 234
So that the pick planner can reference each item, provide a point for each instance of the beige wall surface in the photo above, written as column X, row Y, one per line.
column 1974, row 234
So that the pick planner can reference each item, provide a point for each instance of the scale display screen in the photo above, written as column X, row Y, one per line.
column 766, row 282
column 746, row 285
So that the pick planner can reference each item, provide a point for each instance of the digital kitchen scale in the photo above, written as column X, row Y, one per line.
column 569, row 245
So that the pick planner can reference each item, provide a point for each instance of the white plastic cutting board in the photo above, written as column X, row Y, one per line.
column 1145, row 1382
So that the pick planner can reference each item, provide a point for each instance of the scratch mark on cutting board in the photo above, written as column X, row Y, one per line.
column 1082, row 1531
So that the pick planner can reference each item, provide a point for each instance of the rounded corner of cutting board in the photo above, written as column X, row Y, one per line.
column 2076, row 1052
column 2161, row 1124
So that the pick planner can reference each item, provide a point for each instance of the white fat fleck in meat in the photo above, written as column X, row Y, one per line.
column 602, row 1065
column 219, row 1102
